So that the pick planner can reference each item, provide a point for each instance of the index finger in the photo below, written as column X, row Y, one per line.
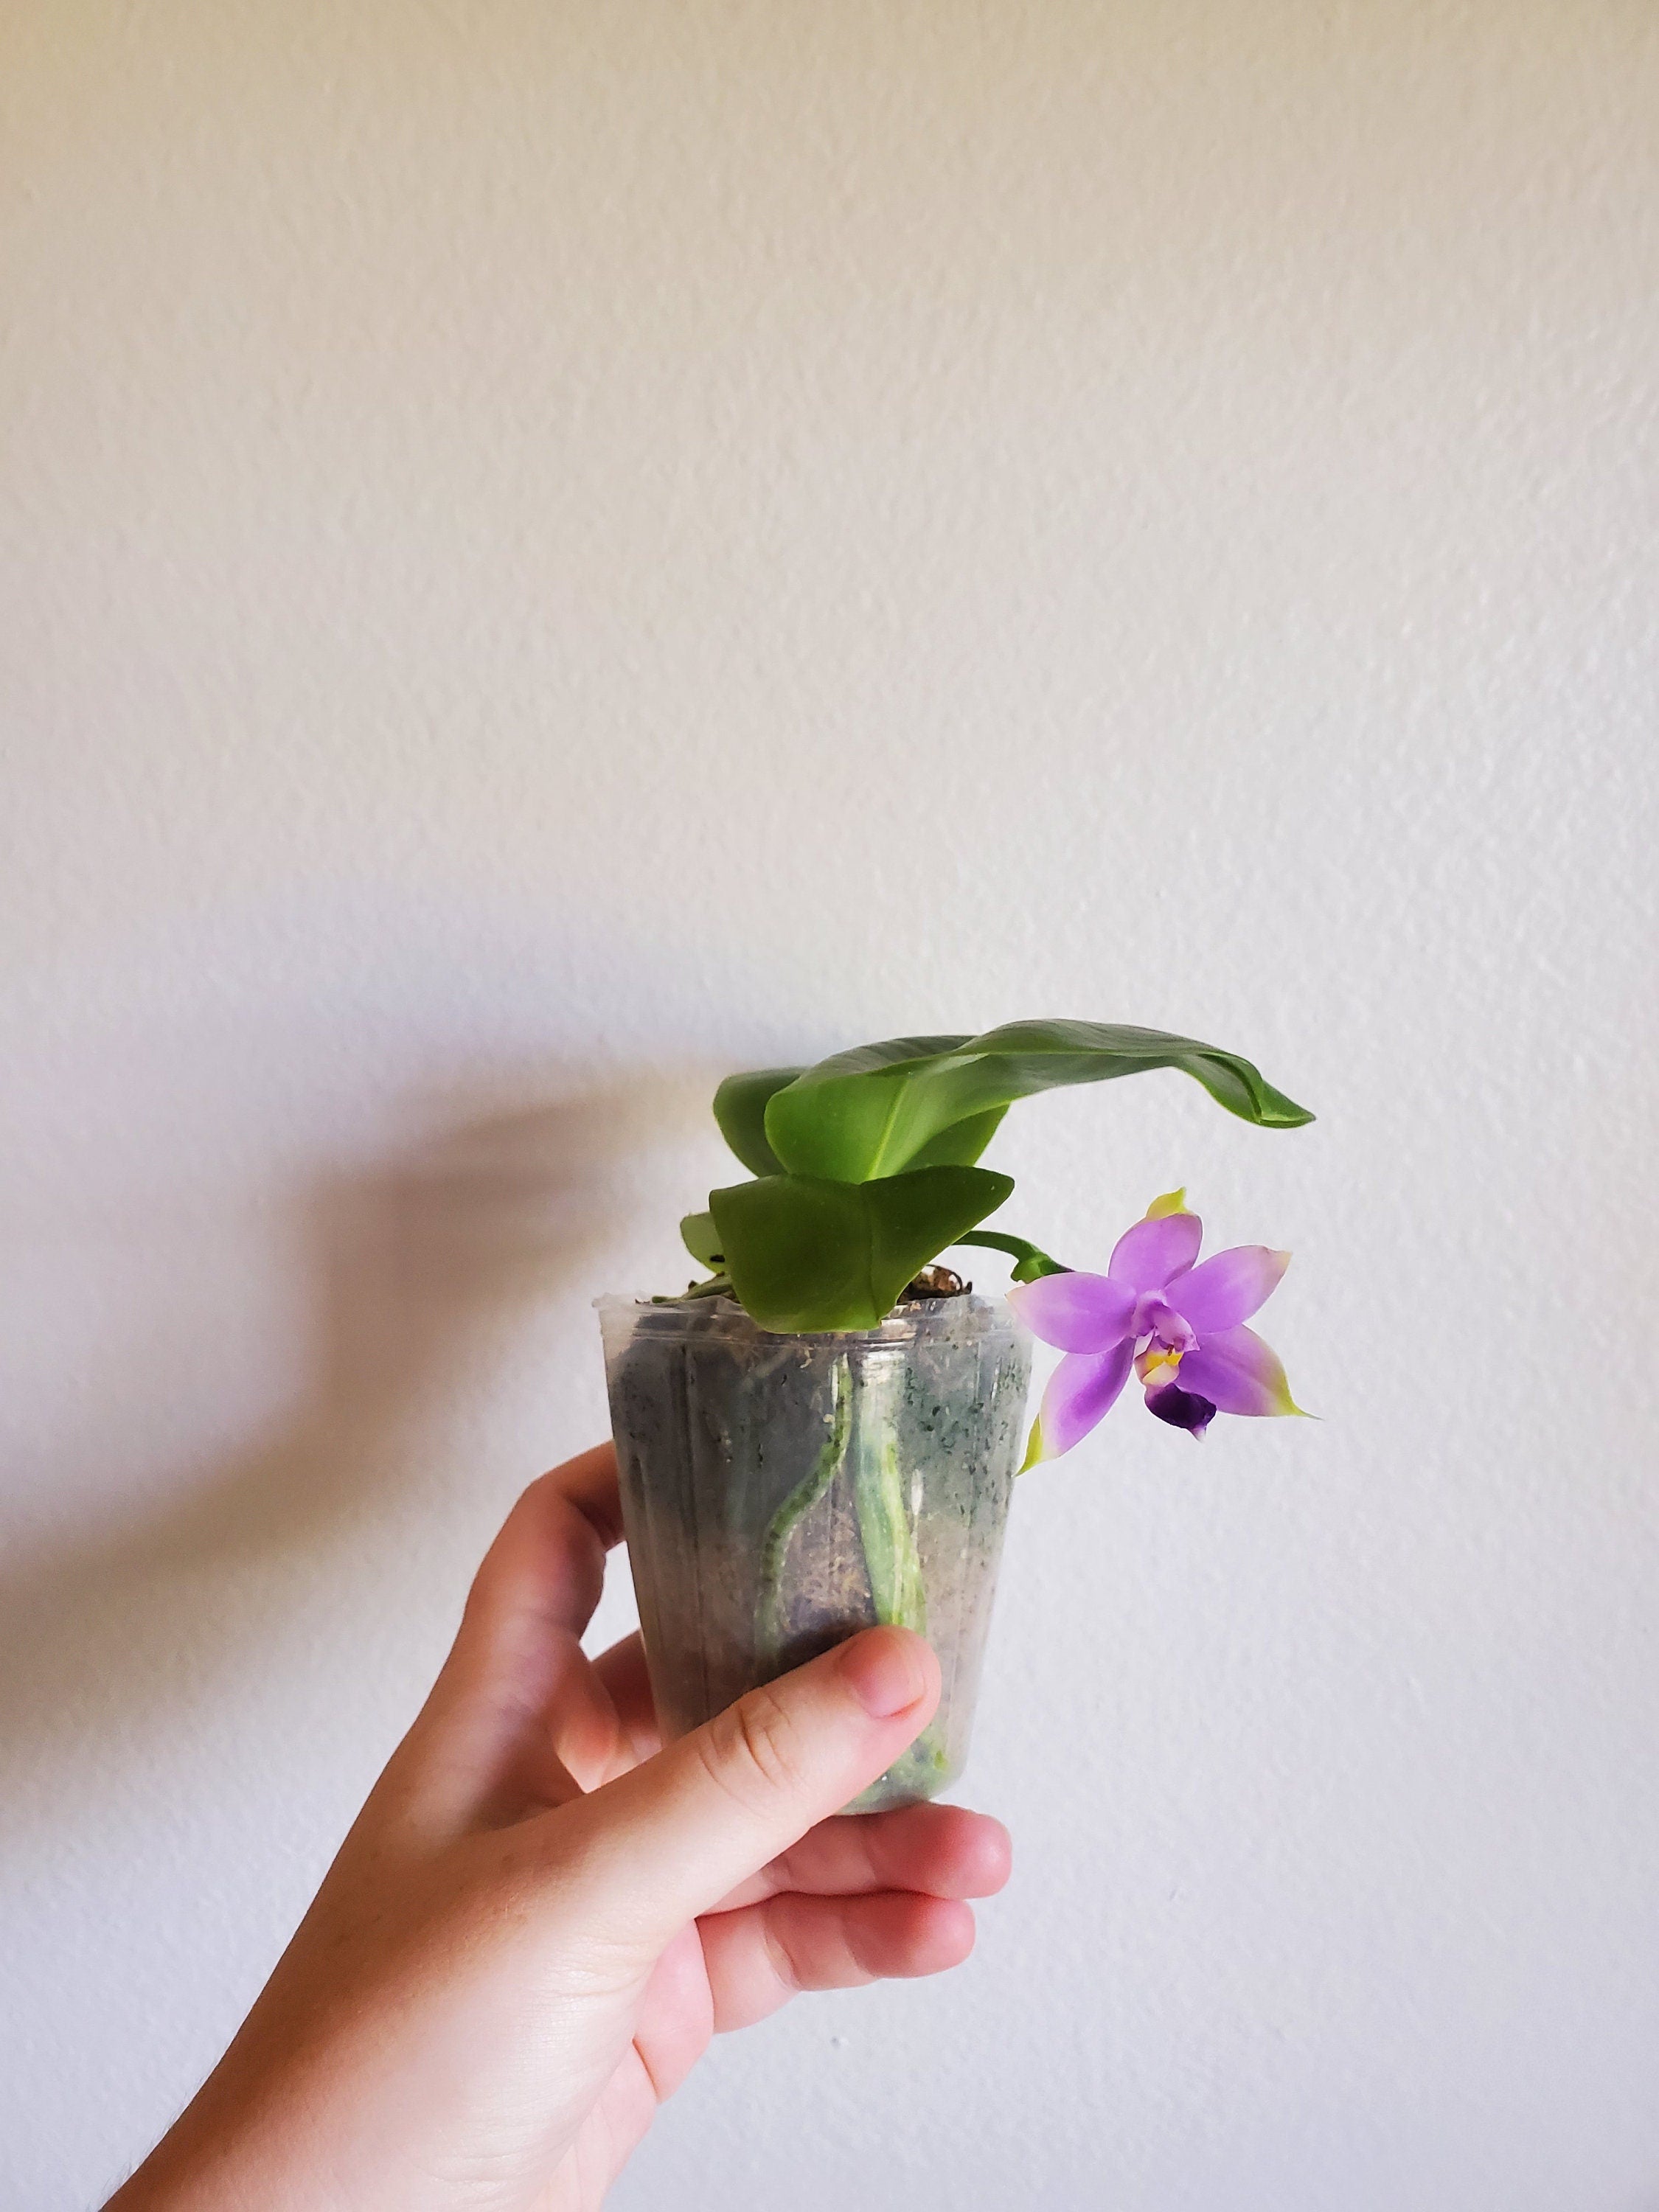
column 589, row 1481
column 546, row 1566
column 517, row 1658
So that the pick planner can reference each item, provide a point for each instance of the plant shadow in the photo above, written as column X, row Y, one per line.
column 409, row 1266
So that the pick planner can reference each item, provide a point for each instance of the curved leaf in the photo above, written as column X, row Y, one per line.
column 961, row 1145
column 807, row 1253
column 877, row 1111
column 701, row 1238
column 740, row 1108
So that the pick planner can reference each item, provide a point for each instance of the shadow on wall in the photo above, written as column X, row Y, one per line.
column 413, row 1266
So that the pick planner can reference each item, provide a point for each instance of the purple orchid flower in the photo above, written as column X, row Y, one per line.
column 1178, row 1325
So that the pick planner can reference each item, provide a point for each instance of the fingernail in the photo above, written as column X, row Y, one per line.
column 884, row 1671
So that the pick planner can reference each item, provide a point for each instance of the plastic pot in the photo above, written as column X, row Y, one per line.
column 781, row 1492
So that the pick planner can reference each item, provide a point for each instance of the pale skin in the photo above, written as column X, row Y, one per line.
column 542, row 1915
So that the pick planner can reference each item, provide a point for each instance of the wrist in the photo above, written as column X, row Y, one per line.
column 213, row 2163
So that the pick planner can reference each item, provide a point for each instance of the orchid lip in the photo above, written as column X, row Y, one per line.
column 1182, row 1409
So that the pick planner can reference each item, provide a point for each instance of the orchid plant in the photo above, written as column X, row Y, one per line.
column 864, row 1168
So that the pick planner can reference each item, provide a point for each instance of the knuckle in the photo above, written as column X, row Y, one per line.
column 753, row 1750
column 779, row 1958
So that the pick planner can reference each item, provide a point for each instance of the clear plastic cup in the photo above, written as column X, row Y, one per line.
column 781, row 1492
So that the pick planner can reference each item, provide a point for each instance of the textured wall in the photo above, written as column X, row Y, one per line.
column 551, row 550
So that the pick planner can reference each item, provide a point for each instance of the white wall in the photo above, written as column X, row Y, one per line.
column 554, row 550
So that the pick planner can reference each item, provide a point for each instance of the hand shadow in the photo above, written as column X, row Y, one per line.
column 412, row 1265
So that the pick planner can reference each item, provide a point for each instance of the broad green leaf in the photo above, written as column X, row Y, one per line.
column 961, row 1145
column 875, row 1111
column 740, row 1108
column 701, row 1238
column 805, row 1252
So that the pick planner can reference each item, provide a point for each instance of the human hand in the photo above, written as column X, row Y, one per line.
column 541, row 1916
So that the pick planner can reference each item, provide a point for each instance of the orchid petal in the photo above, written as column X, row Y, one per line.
column 1148, row 1255
column 1082, row 1390
column 1182, row 1409
column 1222, row 1291
column 1238, row 1373
column 1075, row 1312
column 1172, row 1201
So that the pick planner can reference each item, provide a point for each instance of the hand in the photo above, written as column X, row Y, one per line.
column 541, row 1916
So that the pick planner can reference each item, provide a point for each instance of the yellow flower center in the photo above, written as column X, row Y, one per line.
column 1157, row 1365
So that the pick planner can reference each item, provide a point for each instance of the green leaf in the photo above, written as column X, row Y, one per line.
column 740, row 1108
column 805, row 1252
column 701, row 1238
column 961, row 1145
column 876, row 1111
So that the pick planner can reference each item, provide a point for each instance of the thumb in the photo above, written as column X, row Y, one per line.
column 668, row 1840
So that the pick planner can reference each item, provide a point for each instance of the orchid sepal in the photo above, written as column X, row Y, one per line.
column 1240, row 1374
